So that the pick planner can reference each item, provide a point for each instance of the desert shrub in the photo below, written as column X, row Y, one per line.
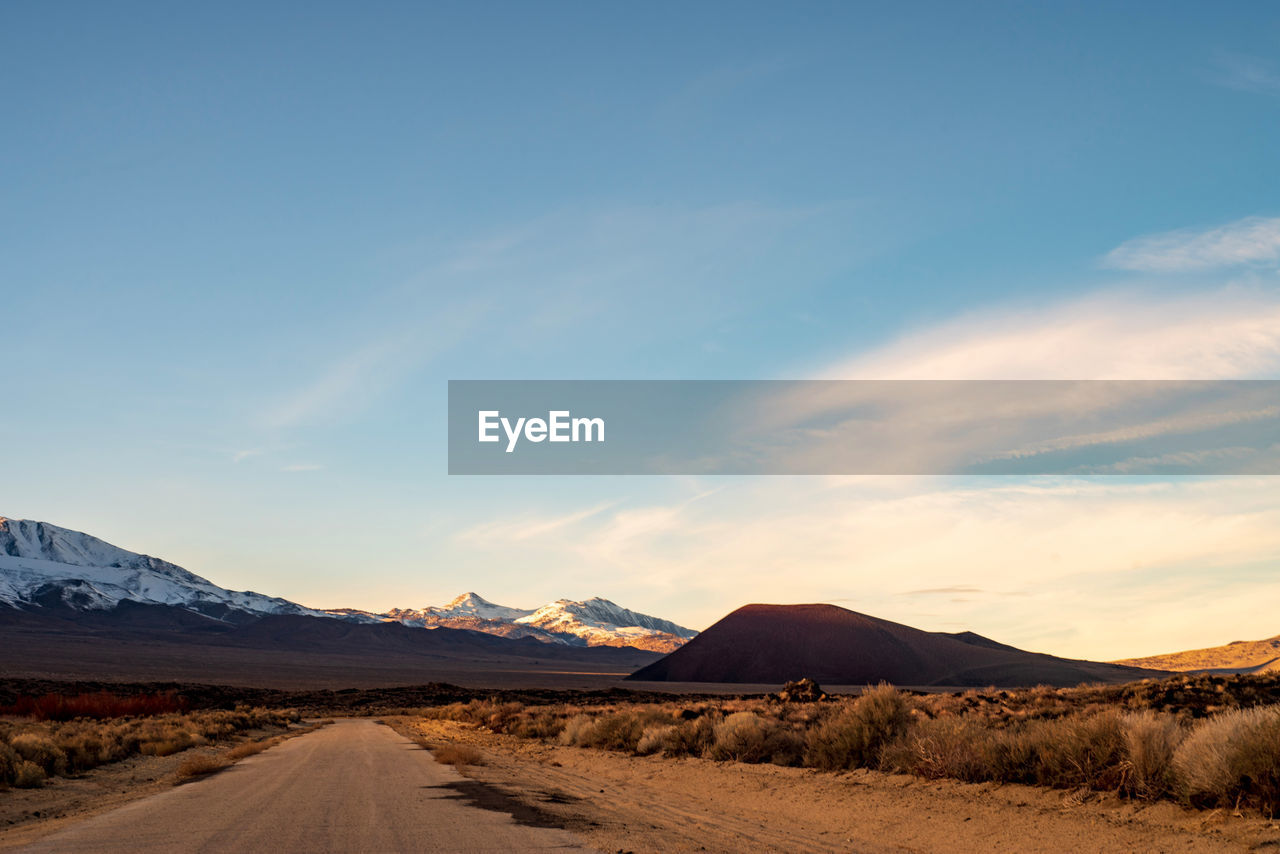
column 9, row 760
column 1231, row 756
column 1085, row 751
column 487, row 713
column 653, row 738
column 575, row 728
column 84, row 748
column 743, row 737
column 541, row 725
column 29, row 775
column 99, row 705
column 619, row 730
column 167, row 740
column 953, row 747
column 1150, row 740
column 458, row 754
column 748, row 737
column 688, row 738
column 1011, row 754
column 501, row 715
column 40, row 750
column 856, row 736
column 79, row 745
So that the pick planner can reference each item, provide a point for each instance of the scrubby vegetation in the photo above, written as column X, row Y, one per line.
column 34, row 749
column 457, row 754
column 98, row 705
column 1204, row 741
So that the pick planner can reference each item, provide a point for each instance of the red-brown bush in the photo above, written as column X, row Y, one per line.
column 99, row 706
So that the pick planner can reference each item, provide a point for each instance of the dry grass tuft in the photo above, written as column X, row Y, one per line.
column 1151, row 740
column 458, row 754
column 250, row 748
column 201, row 765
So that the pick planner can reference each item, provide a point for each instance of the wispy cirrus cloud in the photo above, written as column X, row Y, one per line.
column 571, row 279
column 1250, row 241
column 1248, row 74
column 1228, row 333
column 358, row 376
column 529, row 527
column 344, row 384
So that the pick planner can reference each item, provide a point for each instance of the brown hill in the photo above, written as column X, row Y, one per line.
column 1238, row 656
column 774, row 643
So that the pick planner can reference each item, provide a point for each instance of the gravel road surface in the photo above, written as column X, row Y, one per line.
column 353, row 786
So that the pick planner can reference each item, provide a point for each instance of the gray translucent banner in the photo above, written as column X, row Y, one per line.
column 756, row 427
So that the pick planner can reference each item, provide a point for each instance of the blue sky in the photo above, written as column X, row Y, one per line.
column 244, row 246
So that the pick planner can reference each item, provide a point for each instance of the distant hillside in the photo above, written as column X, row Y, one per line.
column 774, row 643
column 1240, row 656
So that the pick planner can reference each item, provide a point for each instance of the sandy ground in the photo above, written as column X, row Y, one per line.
column 651, row 804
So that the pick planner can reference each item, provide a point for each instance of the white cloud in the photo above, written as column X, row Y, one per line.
column 1227, row 334
column 1253, row 240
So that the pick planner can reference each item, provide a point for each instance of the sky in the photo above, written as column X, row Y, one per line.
column 243, row 248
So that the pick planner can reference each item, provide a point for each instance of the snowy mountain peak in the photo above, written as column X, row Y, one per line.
column 45, row 564
column 474, row 605
column 597, row 616
column 24, row 538
column 600, row 622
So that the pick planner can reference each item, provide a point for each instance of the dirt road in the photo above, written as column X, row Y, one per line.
column 354, row 786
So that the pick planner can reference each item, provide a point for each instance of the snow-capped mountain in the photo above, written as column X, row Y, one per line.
column 43, row 565
column 602, row 623
column 595, row 622
column 473, row 605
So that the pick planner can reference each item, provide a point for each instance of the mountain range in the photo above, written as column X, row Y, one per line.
column 82, row 608
column 593, row 622
column 43, row 565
